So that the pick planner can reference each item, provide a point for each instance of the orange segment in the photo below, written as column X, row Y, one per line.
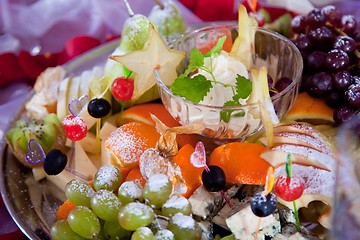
column 204, row 46
column 64, row 210
column 241, row 162
column 309, row 109
column 128, row 142
column 141, row 113
column 191, row 175
column 135, row 175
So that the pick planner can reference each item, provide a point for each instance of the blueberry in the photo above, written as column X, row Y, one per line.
column 99, row 107
column 262, row 205
column 214, row 180
column 55, row 162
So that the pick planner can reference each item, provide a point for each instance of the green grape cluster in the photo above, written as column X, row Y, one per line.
column 125, row 210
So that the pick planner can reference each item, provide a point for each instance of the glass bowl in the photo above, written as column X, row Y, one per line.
column 276, row 52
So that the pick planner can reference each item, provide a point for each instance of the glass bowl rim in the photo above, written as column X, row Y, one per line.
column 224, row 108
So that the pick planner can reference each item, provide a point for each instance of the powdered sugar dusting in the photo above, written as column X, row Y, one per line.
column 177, row 202
column 127, row 145
column 158, row 181
column 109, row 197
column 107, row 175
column 183, row 221
column 138, row 209
column 317, row 181
column 312, row 141
column 164, row 234
column 131, row 189
column 78, row 185
column 310, row 153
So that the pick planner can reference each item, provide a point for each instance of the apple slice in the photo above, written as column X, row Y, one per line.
column 277, row 155
column 61, row 179
column 299, row 139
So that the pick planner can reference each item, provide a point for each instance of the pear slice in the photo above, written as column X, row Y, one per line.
column 61, row 179
column 244, row 46
column 63, row 99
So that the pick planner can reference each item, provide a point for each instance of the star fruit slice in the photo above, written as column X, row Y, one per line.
column 154, row 56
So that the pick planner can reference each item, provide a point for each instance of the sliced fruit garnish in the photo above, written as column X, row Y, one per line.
column 243, row 47
column 154, row 56
column 99, row 86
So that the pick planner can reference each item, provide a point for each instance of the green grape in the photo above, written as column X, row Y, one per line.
column 84, row 222
column 157, row 189
column 113, row 230
column 184, row 227
column 79, row 192
column 164, row 234
column 105, row 205
column 134, row 215
column 129, row 191
column 61, row 230
column 176, row 204
column 108, row 177
column 143, row 233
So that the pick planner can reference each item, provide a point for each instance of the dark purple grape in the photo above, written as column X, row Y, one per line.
column 263, row 206
column 316, row 60
column 342, row 80
column 319, row 84
column 352, row 96
column 332, row 15
column 302, row 42
column 348, row 24
column 214, row 180
column 356, row 35
column 298, row 24
column 342, row 114
column 334, row 99
column 270, row 81
column 337, row 60
column 55, row 162
column 282, row 83
column 99, row 107
column 321, row 36
column 315, row 18
column 345, row 43
column 355, row 79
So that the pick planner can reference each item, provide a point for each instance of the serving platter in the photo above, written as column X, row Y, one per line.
column 32, row 204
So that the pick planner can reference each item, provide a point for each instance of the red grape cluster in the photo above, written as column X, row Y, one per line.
column 329, row 43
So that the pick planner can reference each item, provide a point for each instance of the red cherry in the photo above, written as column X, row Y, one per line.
column 289, row 189
column 75, row 127
column 122, row 88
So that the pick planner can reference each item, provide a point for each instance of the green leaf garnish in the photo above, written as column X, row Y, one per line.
column 193, row 89
column 243, row 87
column 196, row 61
column 217, row 48
column 225, row 115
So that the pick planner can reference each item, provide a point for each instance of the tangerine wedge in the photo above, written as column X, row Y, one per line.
column 311, row 110
column 128, row 142
column 241, row 162
column 190, row 174
column 135, row 175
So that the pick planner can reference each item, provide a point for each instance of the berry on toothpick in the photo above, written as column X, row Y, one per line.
column 290, row 188
column 213, row 177
column 122, row 88
column 74, row 126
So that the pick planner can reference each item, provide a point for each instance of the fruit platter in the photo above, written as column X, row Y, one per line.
column 220, row 131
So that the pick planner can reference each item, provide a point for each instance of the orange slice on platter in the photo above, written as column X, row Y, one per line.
column 311, row 110
column 190, row 174
column 142, row 113
column 128, row 142
column 241, row 162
